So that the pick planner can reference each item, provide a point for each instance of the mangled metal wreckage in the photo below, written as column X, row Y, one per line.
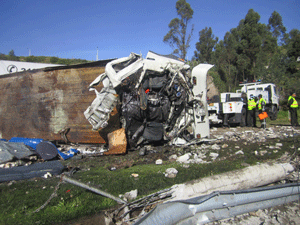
column 159, row 99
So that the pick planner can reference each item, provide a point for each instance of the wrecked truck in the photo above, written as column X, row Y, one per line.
column 159, row 99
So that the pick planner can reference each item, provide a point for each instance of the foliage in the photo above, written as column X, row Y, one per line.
column 11, row 55
column 225, row 57
column 218, row 82
column 177, row 36
column 276, row 25
column 41, row 59
column 293, row 51
column 251, row 52
column 205, row 46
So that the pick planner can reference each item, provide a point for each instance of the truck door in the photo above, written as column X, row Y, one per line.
column 268, row 89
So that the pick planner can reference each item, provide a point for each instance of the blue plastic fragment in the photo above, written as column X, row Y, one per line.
column 69, row 154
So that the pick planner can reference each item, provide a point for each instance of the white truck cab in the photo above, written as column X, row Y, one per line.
column 268, row 92
column 230, row 108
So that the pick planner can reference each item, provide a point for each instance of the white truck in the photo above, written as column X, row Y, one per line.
column 268, row 92
column 227, row 110
column 231, row 108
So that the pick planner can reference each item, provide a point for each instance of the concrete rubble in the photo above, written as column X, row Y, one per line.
column 284, row 214
column 171, row 173
column 208, row 152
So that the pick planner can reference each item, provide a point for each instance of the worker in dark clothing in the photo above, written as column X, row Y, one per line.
column 251, row 119
column 293, row 107
column 261, row 108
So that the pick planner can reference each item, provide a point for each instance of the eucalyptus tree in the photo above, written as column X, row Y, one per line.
column 225, row 57
column 276, row 25
column 177, row 36
column 293, row 52
column 205, row 46
column 256, row 45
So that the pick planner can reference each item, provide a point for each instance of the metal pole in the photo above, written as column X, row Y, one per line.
column 77, row 183
column 97, row 54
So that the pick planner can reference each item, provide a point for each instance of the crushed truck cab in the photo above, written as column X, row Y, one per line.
column 158, row 99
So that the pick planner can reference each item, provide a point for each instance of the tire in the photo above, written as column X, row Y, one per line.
column 274, row 112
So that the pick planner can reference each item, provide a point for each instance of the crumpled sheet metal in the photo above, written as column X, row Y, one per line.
column 153, row 93
column 99, row 112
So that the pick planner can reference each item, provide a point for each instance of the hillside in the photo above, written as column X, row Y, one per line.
column 42, row 59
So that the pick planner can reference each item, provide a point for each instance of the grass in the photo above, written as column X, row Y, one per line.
column 19, row 199
column 282, row 118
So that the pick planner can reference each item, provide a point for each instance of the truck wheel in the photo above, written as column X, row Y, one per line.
column 274, row 112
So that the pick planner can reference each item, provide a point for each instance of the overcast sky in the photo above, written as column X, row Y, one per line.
column 75, row 29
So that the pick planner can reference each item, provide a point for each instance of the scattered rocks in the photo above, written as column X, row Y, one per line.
column 215, row 147
column 279, row 144
column 173, row 157
column 224, row 145
column 131, row 195
column 240, row 152
column 283, row 214
column 262, row 153
column 255, row 134
column 213, row 155
column 171, row 173
column 184, row 158
column 47, row 175
column 159, row 162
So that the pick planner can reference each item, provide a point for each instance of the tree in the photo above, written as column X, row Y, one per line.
column 276, row 26
column 177, row 35
column 242, row 64
column 277, row 69
column 256, row 44
column 12, row 56
column 2, row 56
column 230, row 56
column 250, row 31
column 225, row 57
column 293, row 51
column 12, row 53
column 205, row 46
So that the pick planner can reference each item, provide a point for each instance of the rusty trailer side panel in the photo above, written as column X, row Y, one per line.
column 41, row 103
